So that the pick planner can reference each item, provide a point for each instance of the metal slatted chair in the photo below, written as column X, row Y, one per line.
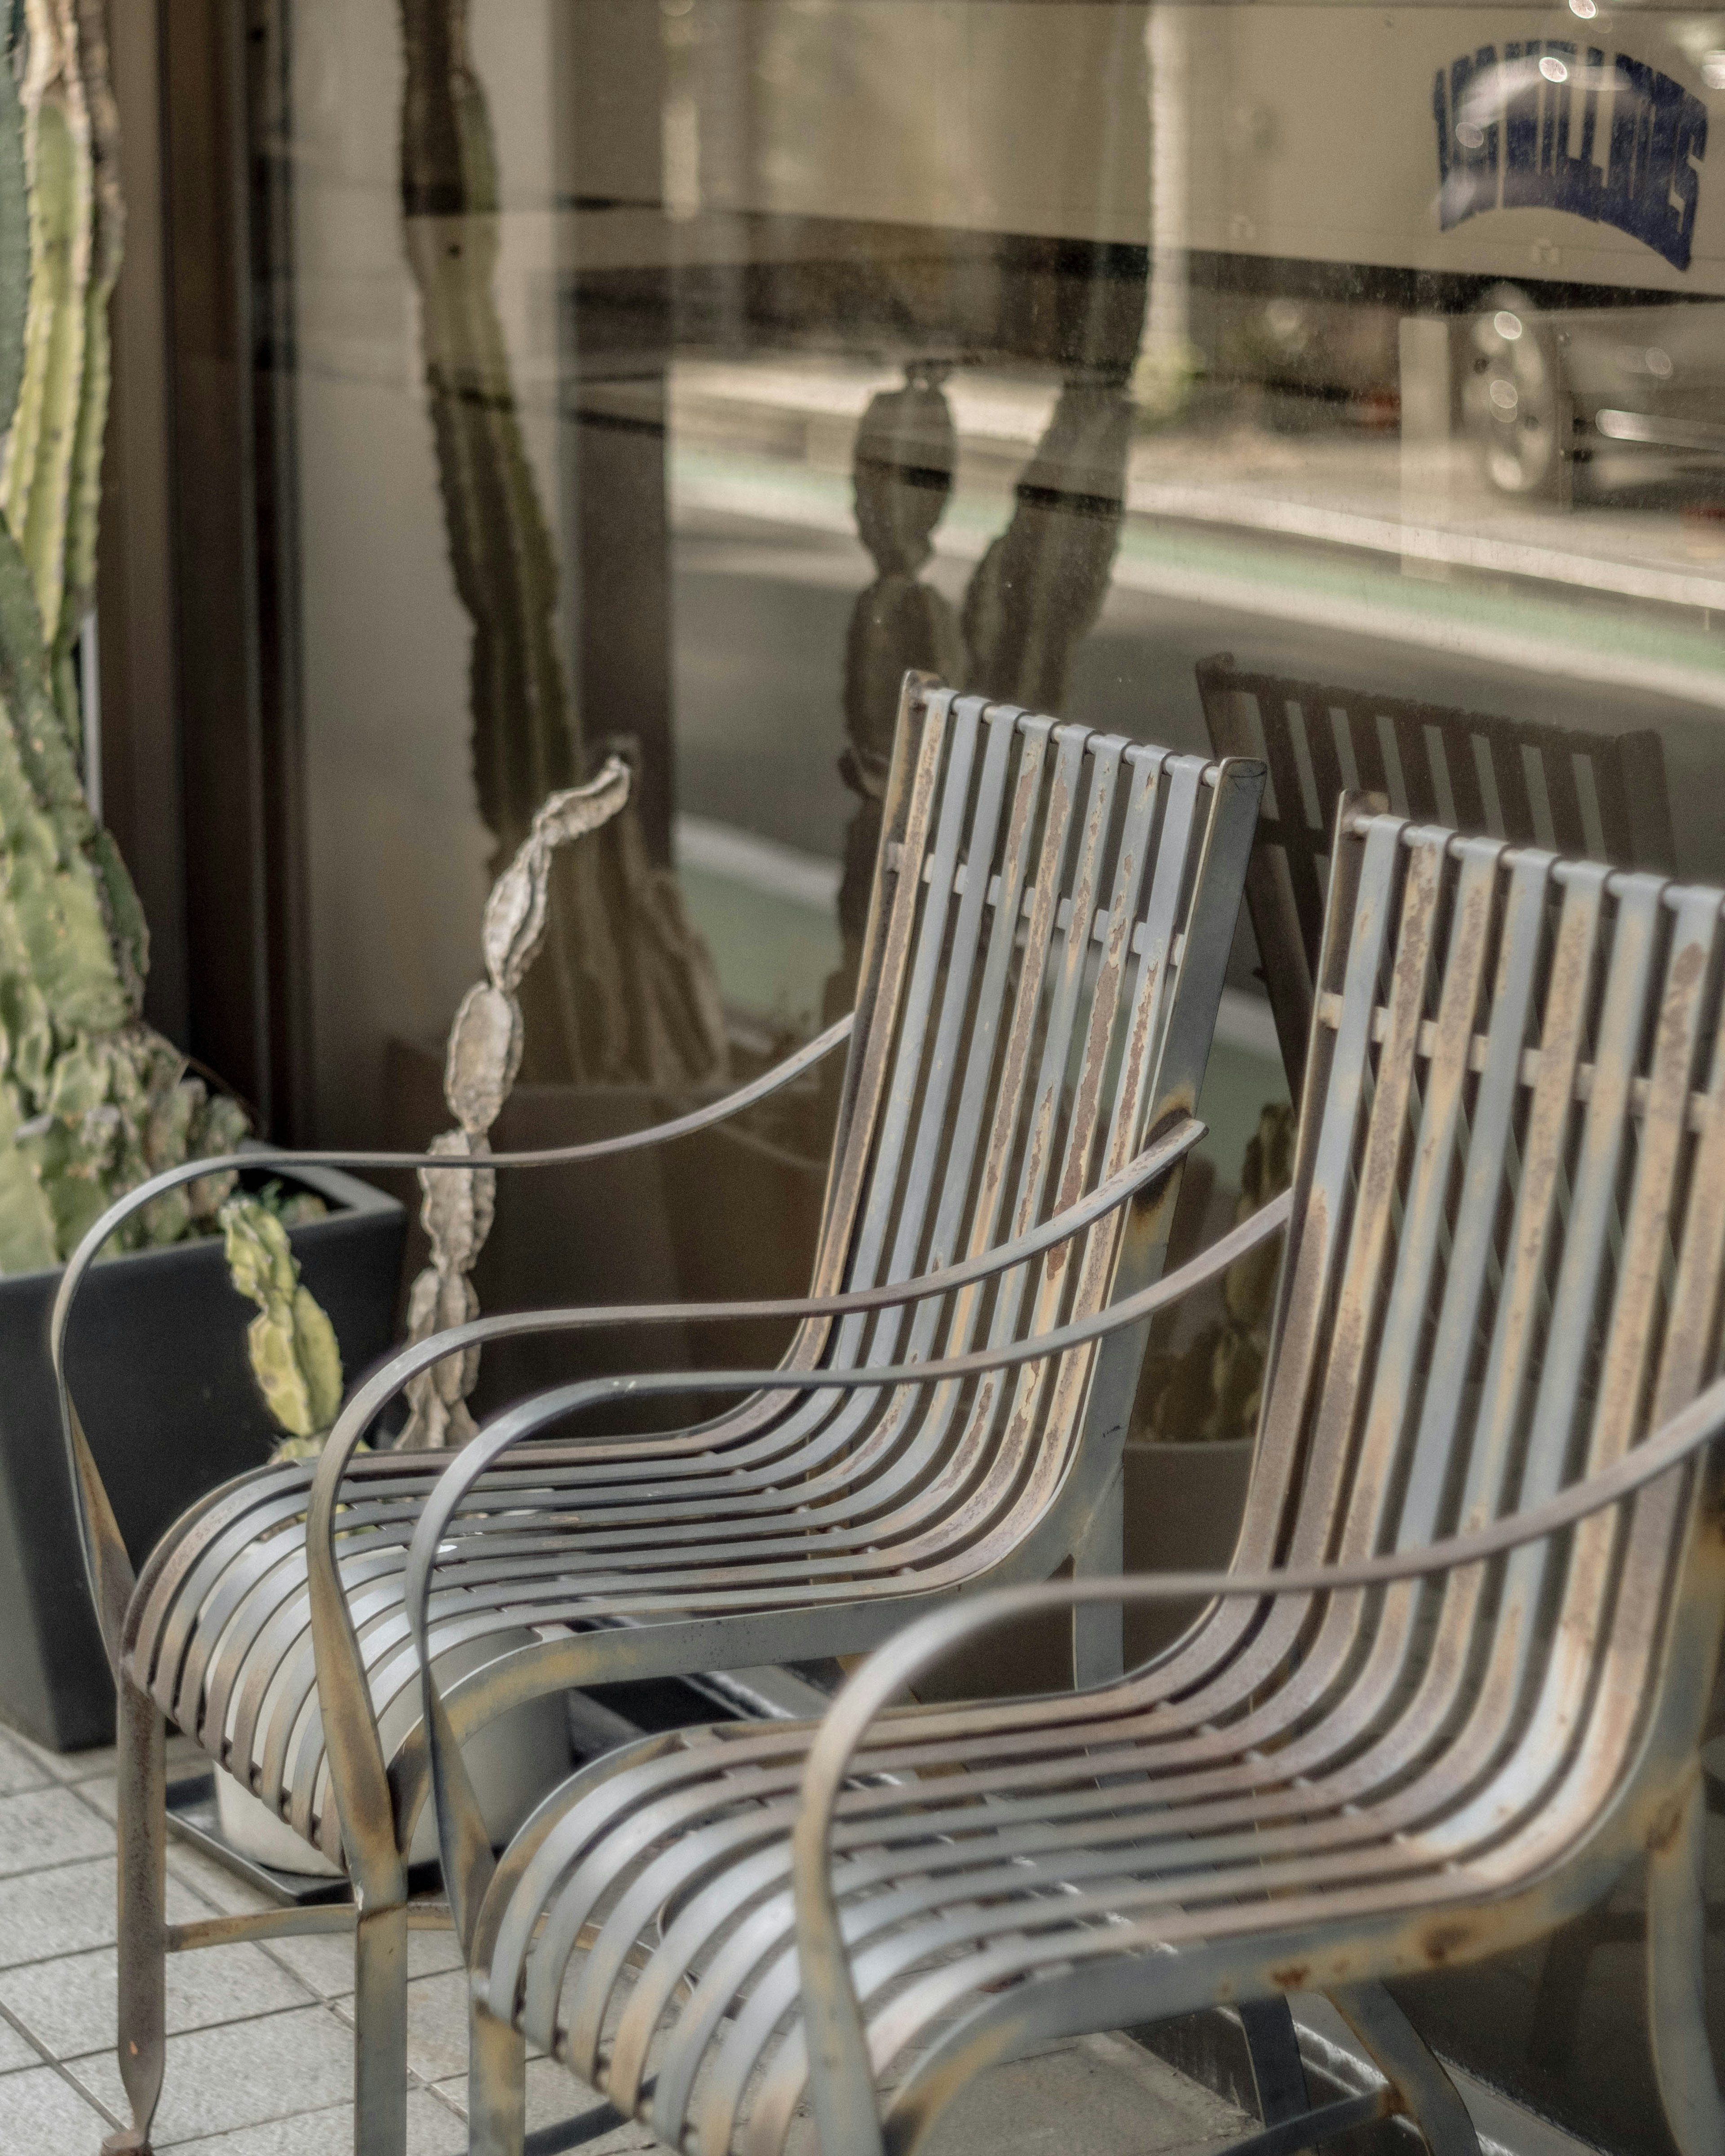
column 1536, row 785
column 1044, row 962
column 1451, row 1687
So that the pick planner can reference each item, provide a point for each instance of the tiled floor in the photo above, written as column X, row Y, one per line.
column 259, row 2054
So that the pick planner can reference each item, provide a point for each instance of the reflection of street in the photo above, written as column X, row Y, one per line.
column 1649, row 531
column 1335, row 554
column 1323, row 556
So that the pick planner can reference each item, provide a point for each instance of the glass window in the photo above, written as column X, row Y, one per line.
column 1345, row 382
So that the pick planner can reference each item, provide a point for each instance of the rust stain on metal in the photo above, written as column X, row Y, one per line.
column 1667, row 1824
column 1442, row 1942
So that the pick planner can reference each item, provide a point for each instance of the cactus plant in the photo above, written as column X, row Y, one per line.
column 627, row 989
column 290, row 1342
column 91, row 1100
column 484, row 1054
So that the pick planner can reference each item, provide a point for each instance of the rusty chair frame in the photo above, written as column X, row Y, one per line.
column 1453, row 1684
column 1045, row 957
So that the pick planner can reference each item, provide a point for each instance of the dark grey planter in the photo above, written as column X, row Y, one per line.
column 1183, row 1506
column 158, row 1362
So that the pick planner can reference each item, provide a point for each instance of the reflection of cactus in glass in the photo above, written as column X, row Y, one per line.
column 1038, row 591
column 902, row 477
column 625, row 989
column 91, row 1101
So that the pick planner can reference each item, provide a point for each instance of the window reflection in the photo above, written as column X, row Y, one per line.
column 680, row 372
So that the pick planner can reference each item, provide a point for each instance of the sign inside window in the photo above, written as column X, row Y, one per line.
column 1552, row 125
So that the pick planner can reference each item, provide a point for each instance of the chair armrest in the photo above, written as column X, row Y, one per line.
column 1163, row 1153
column 106, row 1565
column 518, row 1424
column 842, row 2083
column 467, row 1860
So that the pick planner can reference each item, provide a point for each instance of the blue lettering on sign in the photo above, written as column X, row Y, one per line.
column 1526, row 132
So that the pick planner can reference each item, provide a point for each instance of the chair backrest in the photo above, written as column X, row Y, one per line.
column 1602, row 795
column 1044, row 956
column 1508, row 1234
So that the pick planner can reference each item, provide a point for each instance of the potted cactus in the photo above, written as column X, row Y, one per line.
column 92, row 1099
column 295, row 1361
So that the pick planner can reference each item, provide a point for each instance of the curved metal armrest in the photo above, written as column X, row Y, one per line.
column 517, row 1424
column 1161, row 1155
column 106, row 1562
column 467, row 1862
column 841, row 2076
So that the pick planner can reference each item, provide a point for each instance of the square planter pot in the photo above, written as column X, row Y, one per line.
column 1183, row 1506
column 158, row 1366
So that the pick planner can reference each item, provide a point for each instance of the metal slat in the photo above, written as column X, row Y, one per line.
column 1010, row 1872
column 769, row 1490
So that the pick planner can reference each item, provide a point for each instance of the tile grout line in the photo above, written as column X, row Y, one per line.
column 202, row 2028
column 59, row 2066
column 311, row 1997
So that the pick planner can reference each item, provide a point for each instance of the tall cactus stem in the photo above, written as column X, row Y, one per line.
column 91, row 1101
column 484, row 1054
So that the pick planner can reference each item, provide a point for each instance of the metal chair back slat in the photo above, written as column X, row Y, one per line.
column 1395, row 1442
column 1556, row 787
column 1505, row 1267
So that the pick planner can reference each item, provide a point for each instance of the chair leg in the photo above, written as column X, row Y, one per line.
column 497, row 2086
column 1424, row 2091
column 1677, row 1997
column 141, row 1738
column 380, row 2040
column 1098, row 1648
column 1277, row 2071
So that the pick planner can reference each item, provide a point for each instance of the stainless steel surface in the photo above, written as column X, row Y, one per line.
column 1454, row 1683
column 1026, row 1053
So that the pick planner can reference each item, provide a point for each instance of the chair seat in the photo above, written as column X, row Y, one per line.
column 1505, row 1265
column 989, row 1861
column 761, row 1511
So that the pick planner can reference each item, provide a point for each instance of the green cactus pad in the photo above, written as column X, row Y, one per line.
column 291, row 1343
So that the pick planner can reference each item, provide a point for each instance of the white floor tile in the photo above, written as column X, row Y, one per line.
column 433, row 2130
column 244, row 2074
column 50, row 1914
column 16, row 2050
column 20, row 1766
column 41, row 2115
column 70, row 2005
column 44, row 1827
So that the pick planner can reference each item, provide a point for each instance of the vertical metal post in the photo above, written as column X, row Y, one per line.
column 142, row 1745
column 497, row 2086
column 380, row 2041
column 1676, row 1994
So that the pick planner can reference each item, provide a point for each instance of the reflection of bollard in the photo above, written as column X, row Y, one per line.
column 1429, row 417
column 901, row 467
